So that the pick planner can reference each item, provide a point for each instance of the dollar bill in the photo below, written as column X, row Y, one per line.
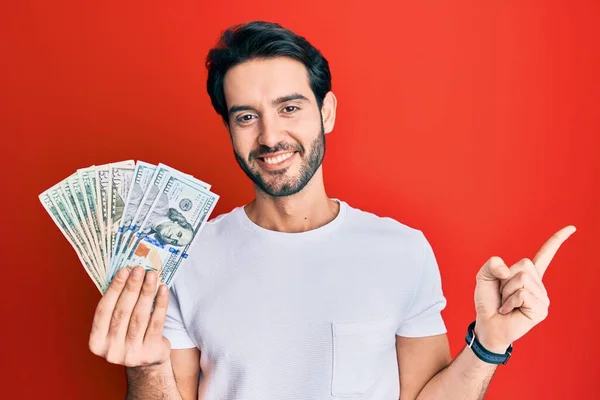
column 175, row 217
column 60, row 202
column 65, row 225
column 120, row 178
column 76, row 189
column 102, row 196
column 87, row 182
column 80, row 223
column 142, row 178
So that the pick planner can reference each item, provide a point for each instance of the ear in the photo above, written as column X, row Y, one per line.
column 328, row 111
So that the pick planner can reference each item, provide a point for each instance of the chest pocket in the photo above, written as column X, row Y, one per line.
column 359, row 350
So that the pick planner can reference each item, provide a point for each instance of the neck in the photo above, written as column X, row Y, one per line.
column 308, row 209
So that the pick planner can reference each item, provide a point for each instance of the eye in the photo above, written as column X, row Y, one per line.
column 290, row 109
column 245, row 118
column 179, row 234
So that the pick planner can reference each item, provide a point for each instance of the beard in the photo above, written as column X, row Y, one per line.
column 292, row 185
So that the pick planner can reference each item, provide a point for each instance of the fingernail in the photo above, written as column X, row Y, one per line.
column 137, row 273
column 122, row 274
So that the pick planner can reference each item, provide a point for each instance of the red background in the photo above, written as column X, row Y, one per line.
column 477, row 122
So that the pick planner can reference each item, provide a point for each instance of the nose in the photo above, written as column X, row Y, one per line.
column 271, row 131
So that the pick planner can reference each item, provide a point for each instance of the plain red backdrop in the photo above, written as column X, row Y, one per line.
column 476, row 122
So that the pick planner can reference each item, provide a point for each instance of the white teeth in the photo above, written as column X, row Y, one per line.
column 278, row 159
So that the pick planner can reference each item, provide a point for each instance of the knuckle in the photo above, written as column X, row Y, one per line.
column 157, row 326
column 114, row 357
column 546, row 301
column 117, row 283
column 96, row 346
column 132, row 360
column 526, row 262
column 100, row 310
column 519, row 278
column 118, row 317
column 120, row 314
column 131, row 287
column 134, row 326
column 495, row 261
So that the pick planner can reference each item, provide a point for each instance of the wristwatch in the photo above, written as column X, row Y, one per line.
column 481, row 352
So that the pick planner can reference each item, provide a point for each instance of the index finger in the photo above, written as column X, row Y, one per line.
column 548, row 251
column 107, row 303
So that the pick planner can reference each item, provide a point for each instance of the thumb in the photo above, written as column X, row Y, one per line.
column 487, row 293
column 493, row 270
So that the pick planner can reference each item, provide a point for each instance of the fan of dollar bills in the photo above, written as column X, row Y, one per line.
column 128, row 214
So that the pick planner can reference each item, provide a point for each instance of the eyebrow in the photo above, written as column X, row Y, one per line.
column 274, row 103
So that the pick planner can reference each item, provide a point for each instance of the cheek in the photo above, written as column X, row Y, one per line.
column 243, row 142
column 307, row 127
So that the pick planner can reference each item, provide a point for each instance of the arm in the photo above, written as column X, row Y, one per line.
column 419, row 360
column 509, row 302
column 428, row 372
column 177, row 378
column 466, row 378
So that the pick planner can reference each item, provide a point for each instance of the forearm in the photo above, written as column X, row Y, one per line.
column 467, row 378
column 150, row 383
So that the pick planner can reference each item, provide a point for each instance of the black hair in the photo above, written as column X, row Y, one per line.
column 261, row 40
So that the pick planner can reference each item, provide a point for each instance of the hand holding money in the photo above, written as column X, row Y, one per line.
column 130, row 214
column 125, row 330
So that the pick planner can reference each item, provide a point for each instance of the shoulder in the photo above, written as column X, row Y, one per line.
column 380, row 227
column 216, row 229
column 210, row 245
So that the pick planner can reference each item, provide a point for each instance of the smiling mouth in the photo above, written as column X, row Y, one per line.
column 276, row 159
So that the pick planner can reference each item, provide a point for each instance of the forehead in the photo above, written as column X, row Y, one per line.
column 262, row 80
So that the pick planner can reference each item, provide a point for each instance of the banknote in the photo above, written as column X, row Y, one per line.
column 60, row 202
column 120, row 178
column 61, row 221
column 175, row 217
column 129, row 213
column 81, row 224
column 142, row 176
column 76, row 189
column 87, row 182
column 103, row 195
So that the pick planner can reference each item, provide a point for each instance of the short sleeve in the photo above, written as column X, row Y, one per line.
column 423, row 316
column 174, row 329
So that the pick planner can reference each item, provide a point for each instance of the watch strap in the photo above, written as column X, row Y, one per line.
column 481, row 352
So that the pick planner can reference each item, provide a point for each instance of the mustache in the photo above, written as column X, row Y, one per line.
column 266, row 150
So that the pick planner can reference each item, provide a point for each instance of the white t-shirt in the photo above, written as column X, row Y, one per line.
column 311, row 315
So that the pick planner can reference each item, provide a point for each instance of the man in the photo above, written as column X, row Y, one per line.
column 296, row 295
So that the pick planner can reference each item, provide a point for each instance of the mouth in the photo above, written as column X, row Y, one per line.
column 276, row 160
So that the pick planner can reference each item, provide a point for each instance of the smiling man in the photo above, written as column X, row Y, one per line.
column 297, row 295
